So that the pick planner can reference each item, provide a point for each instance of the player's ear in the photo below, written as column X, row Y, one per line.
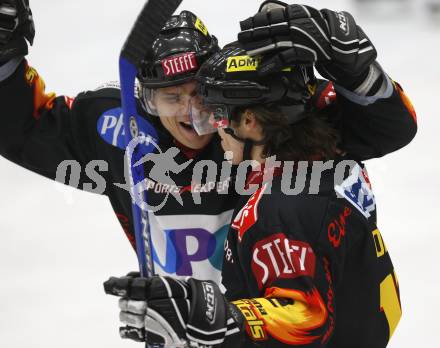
column 248, row 120
column 148, row 96
column 151, row 104
column 250, row 126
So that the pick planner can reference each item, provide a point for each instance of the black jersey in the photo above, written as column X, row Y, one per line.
column 40, row 131
column 311, row 269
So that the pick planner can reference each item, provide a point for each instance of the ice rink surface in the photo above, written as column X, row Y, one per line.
column 58, row 245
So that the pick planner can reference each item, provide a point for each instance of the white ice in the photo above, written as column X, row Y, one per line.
column 58, row 245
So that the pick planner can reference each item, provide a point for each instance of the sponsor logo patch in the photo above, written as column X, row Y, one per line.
column 279, row 257
column 179, row 64
column 336, row 228
column 357, row 190
column 242, row 63
column 255, row 324
column 110, row 127
column 189, row 245
column 201, row 27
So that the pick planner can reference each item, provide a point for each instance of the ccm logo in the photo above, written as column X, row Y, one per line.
column 343, row 22
column 179, row 64
column 279, row 257
column 209, row 293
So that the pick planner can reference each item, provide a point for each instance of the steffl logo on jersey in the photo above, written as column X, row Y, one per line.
column 279, row 257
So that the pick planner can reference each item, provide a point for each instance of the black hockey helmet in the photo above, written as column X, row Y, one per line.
column 181, row 47
column 230, row 79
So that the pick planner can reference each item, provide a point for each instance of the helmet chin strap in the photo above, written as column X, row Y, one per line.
column 231, row 132
column 247, row 151
column 248, row 144
column 295, row 114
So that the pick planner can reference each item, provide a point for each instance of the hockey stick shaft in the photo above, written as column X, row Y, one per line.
column 150, row 21
column 135, row 175
column 138, row 47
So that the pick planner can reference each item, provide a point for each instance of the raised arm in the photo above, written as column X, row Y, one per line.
column 40, row 130
column 376, row 116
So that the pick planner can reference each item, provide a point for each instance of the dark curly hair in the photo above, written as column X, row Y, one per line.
column 312, row 138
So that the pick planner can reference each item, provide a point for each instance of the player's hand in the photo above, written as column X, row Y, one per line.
column 16, row 26
column 234, row 147
column 298, row 34
column 170, row 312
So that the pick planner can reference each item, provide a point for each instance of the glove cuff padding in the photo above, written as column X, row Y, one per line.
column 335, row 73
column 13, row 49
column 271, row 4
column 207, row 323
column 9, row 68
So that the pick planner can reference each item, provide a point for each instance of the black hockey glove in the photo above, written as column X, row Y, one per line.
column 175, row 313
column 16, row 26
column 291, row 34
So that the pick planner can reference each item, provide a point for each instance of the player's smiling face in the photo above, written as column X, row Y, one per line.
column 172, row 105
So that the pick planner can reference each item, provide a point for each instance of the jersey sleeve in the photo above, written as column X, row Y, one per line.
column 289, row 283
column 40, row 130
column 371, row 126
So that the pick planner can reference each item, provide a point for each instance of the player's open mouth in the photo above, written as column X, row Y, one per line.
column 187, row 125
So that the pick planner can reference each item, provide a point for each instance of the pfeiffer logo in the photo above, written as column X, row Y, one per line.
column 180, row 64
column 280, row 257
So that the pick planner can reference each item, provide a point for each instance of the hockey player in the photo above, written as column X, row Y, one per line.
column 39, row 131
column 44, row 130
column 300, row 269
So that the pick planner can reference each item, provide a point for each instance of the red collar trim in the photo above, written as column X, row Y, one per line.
column 257, row 176
column 188, row 152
